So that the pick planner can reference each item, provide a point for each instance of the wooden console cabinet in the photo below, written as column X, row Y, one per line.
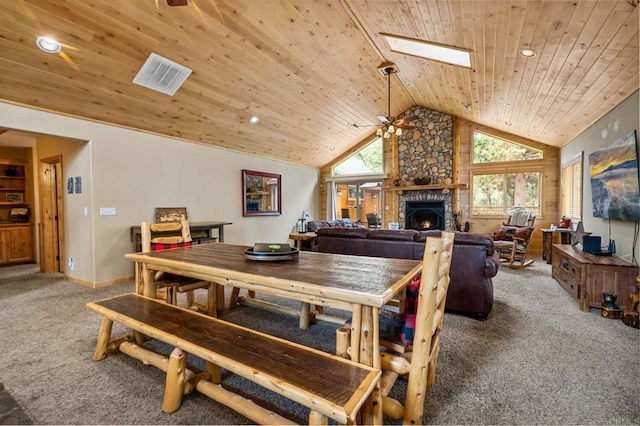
column 16, row 234
column 16, row 243
column 585, row 276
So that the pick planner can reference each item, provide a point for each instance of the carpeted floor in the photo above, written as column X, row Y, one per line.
column 537, row 360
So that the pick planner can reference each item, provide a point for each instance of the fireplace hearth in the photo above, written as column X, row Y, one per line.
column 424, row 215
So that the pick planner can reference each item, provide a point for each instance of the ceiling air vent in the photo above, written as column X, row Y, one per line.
column 162, row 75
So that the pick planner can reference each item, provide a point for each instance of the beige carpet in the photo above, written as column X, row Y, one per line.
column 537, row 360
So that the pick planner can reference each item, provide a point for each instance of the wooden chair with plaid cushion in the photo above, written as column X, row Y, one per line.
column 412, row 349
column 171, row 235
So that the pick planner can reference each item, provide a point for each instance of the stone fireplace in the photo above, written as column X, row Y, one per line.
column 426, row 151
column 424, row 215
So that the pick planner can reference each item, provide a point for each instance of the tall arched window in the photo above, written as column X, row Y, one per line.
column 356, row 188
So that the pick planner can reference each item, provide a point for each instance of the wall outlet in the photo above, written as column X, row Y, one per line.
column 70, row 263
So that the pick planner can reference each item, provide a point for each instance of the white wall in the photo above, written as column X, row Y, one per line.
column 618, row 122
column 136, row 172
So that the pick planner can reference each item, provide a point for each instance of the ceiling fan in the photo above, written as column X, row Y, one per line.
column 390, row 125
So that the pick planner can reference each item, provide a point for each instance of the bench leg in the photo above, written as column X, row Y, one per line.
column 316, row 418
column 174, row 387
column 214, row 372
column 104, row 335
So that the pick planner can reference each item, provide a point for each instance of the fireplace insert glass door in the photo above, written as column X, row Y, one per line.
column 356, row 199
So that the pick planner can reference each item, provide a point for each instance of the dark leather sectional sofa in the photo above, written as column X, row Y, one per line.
column 473, row 265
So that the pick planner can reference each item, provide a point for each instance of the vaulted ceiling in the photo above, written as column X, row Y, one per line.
column 308, row 68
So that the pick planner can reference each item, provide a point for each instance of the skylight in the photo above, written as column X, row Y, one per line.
column 428, row 50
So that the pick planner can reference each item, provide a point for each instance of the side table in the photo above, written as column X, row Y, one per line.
column 200, row 232
column 307, row 236
column 547, row 240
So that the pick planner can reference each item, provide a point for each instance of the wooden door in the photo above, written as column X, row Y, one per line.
column 52, row 235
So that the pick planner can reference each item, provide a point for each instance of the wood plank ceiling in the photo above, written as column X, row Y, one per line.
column 308, row 68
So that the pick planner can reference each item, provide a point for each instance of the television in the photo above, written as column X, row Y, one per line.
column 615, row 182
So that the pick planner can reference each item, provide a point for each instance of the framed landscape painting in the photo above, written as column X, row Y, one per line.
column 615, row 186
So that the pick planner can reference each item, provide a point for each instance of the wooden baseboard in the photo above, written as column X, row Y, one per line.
column 98, row 285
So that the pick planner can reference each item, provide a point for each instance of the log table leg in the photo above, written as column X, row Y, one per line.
column 365, row 347
column 343, row 334
column 305, row 315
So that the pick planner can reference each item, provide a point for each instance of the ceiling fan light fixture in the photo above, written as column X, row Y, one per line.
column 429, row 50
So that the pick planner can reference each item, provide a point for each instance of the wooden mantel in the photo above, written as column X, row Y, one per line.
column 426, row 187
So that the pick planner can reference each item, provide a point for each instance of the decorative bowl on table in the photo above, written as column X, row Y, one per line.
column 271, row 256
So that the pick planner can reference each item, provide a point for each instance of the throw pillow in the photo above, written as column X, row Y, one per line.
column 409, row 315
column 507, row 232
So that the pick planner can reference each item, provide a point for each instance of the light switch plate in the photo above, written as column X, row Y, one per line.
column 107, row 211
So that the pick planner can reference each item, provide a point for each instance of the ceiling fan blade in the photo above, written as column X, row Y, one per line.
column 384, row 119
column 405, row 119
column 357, row 126
column 404, row 126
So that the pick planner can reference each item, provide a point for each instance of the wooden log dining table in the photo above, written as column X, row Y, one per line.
column 358, row 284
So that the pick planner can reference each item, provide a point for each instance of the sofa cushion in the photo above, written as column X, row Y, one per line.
column 343, row 232
column 314, row 225
column 465, row 238
column 421, row 236
column 392, row 234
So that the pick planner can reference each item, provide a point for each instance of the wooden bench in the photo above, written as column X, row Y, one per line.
column 332, row 387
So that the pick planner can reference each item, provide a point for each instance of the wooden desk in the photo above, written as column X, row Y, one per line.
column 359, row 284
column 200, row 232
column 307, row 236
column 547, row 240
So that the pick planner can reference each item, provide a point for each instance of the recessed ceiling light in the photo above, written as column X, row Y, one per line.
column 254, row 120
column 508, row 123
column 48, row 44
column 429, row 50
column 527, row 53
column 466, row 107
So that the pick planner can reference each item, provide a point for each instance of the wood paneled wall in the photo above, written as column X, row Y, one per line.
column 549, row 165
